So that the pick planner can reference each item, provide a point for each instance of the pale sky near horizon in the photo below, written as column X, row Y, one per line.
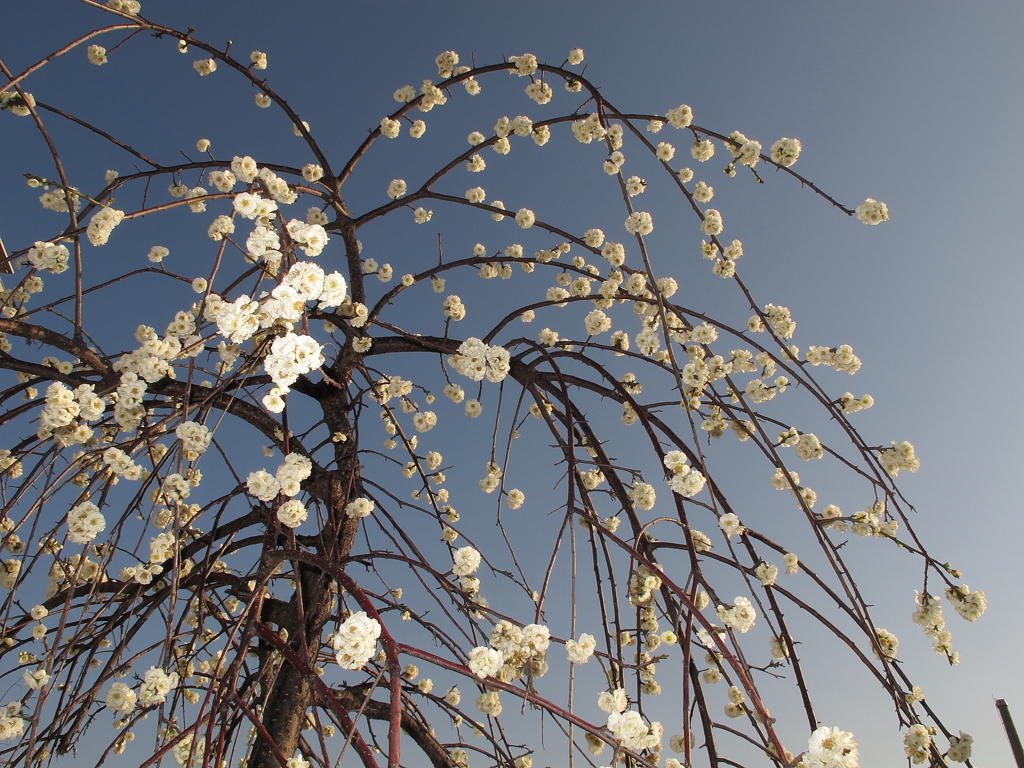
column 914, row 103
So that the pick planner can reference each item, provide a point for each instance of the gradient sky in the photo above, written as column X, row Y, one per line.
column 914, row 103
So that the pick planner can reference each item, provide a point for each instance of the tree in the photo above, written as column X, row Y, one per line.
column 254, row 607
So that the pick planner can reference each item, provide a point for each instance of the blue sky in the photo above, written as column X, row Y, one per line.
column 913, row 103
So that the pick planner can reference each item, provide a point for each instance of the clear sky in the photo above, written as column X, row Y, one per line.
column 914, row 103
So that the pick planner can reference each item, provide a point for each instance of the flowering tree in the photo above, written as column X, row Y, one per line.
column 327, row 598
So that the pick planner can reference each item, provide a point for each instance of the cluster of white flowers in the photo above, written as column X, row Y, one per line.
column 540, row 92
column 745, row 151
column 311, row 236
column 513, row 650
column 970, row 605
column 829, row 747
column 703, row 193
column 465, row 561
column 679, row 117
column 614, row 162
column 292, row 513
column 431, row 96
column 291, row 356
column 424, row 421
column 85, row 521
column 960, row 748
column 841, row 358
column 792, row 563
column 196, row 205
column 121, row 698
column 140, row 574
column 453, row 308
column 65, row 412
column 485, row 662
column 642, row 495
column 597, row 322
column 150, row 363
column 701, row 541
column 18, row 105
column 916, row 743
column 177, row 487
column 391, row 128
column 684, row 480
column 712, row 224
column 701, row 151
column 790, row 481
column 9, row 464
column 781, row 482
column 785, row 151
column 239, row 320
column 204, row 66
column 489, row 703
column 161, row 547
column 195, row 438
column 736, row 699
column 55, row 199
column 361, row 507
column 219, row 227
column 872, row 212
column 188, row 752
column 156, row 685
column 446, row 63
column 850, row 404
column 127, row 7
column 97, row 55
column 580, row 651
column 476, row 360
column 525, row 218
column 9, row 575
column 35, row 679
column 928, row 615
column 639, row 223
column 867, row 522
column 355, row 641
column 248, row 205
column 808, row 447
column 780, row 320
column 12, row 725
column 888, row 643
column 397, row 188
column 643, row 584
column 245, row 169
column 612, row 701
column 523, row 65
column 740, row 617
column 594, row 238
column 287, row 479
column 760, row 392
column 589, row 129
column 615, row 254
column 49, row 257
column 829, row 515
column 391, row 386
column 899, row 457
column 766, row 573
column 102, row 224
column 630, row 730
